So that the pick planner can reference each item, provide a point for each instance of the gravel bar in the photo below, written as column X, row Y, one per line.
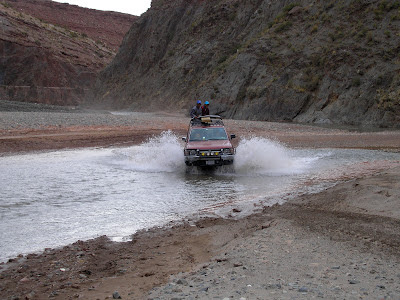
column 18, row 115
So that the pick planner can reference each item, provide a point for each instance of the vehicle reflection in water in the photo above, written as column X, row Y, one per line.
column 55, row 198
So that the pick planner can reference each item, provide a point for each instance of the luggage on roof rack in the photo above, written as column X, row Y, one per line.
column 207, row 120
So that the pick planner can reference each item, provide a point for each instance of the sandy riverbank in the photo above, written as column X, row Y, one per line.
column 341, row 243
column 35, row 131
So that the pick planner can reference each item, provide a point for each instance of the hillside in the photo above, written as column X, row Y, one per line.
column 46, row 63
column 325, row 62
column 104, row 27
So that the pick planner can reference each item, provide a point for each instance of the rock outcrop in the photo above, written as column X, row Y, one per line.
column 106, row 27
column 326, row 62
column 46, row 63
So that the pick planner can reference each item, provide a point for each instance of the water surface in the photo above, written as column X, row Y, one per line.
column 52, row 199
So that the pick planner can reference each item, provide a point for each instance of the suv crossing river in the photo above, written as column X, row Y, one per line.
column 207, row 143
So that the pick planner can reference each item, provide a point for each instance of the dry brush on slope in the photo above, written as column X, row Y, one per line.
column 325, row 62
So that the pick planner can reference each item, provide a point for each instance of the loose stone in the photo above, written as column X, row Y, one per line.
column 303, row 289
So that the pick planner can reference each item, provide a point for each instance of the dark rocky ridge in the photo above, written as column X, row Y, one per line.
column 46, row 63
column 306, row 61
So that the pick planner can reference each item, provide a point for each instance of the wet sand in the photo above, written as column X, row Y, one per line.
column 341, row 243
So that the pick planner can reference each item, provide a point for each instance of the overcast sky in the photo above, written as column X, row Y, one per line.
column 133, row 7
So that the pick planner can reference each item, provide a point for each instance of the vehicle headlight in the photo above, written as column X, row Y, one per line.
column 227, row 151
column 190, row 152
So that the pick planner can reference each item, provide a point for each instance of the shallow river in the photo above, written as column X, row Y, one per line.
column 51, row 199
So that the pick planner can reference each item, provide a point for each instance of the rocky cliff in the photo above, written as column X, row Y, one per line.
column 104, row 27
column 330, row 62
column 47, row 63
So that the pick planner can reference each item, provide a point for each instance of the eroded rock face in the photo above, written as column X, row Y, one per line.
column 317, row 62
column 46, row 63
column 104, row 27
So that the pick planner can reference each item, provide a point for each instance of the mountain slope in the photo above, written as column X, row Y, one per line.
column 306, row 61
column 45, row 63
column 106, row 27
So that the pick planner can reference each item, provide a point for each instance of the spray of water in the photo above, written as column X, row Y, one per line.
column 265, row 157
column 162, row 153
column 254, row 156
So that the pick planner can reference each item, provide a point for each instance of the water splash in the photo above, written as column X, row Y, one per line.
column 163, row 153
column 266, row 157
column 254, row 156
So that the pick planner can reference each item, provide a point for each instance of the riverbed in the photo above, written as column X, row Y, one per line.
column 53, row 198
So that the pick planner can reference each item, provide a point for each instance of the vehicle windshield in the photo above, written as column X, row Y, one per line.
column 208, row 134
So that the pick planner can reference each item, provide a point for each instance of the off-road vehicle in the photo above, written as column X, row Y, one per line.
column 207, row 143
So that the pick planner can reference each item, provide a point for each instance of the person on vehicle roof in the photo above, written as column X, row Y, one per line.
column 204, row 110
column 196, row 110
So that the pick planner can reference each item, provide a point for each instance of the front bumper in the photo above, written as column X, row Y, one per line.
column 202, row 161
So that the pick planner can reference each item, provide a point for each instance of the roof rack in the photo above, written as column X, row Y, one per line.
column 207, row 120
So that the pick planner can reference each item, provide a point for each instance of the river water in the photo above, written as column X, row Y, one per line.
column 51, row 199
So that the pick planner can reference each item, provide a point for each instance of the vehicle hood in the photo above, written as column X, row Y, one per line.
column 209, row 145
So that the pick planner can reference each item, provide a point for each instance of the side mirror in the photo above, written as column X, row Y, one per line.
column 233, row 136
column 184, row 139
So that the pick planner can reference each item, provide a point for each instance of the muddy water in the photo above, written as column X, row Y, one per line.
column 55, row 198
